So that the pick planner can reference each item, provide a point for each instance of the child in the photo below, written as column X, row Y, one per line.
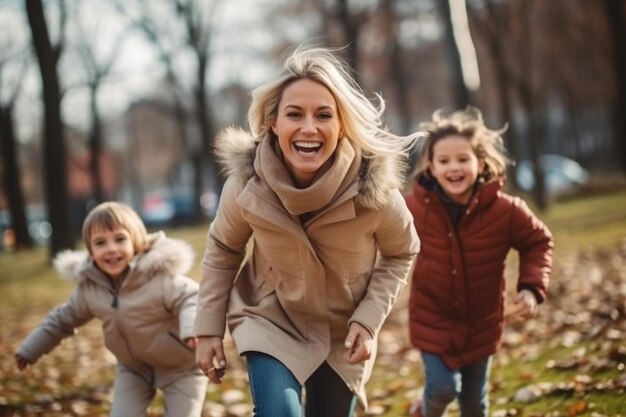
column 467, row 225
column 133, row 283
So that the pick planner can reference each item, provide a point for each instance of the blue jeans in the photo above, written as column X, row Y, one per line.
column 467, row 384
column 277, row 393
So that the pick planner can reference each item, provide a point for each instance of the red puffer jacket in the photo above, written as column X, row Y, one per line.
column 458, row 288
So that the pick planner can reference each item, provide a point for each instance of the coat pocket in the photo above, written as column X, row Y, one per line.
column 252, row 285
column 358, row 287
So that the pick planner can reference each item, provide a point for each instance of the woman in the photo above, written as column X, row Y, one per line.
column 311, row 244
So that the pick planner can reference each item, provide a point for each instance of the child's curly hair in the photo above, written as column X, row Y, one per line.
column 468, row 123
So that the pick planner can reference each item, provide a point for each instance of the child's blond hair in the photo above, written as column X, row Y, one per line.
column 468, row 123
column 112, row 215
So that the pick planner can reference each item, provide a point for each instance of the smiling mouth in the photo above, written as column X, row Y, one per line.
column 455, row 179
column 307, row 147
column 113, row 262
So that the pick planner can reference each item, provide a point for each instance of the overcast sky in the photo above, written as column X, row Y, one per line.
column 239, row 43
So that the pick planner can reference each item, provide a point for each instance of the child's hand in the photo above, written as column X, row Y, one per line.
column 525, row 305
column 191, row 342
column 358, row 344
column 21, row 362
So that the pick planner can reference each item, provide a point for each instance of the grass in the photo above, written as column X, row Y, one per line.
column 30, row 287
column 587, row 221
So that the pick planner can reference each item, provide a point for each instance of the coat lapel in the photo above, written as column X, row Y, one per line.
column 259, row 200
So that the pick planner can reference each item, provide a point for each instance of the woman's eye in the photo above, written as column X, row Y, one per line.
column 293, row 114
column 325, row 116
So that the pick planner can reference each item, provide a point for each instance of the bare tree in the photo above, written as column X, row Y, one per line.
column 495, row 37
column 198, row 19
column 98, row 65
column 11, row 174
column 398, row 74
column 460, row 90
column 55, row 173
column 195, row 27
column 528, row 100
column 350, row 22
column 615, row 14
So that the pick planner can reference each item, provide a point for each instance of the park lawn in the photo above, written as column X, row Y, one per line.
column 587, row 221
column 30, row 288
column 27, row 277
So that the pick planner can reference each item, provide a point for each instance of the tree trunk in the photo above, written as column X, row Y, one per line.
column 503, row 82
column 539, row 192
column 460, row 92
column 55, row 175
column 615, row 14
column 95, row 145
column 351, row 32
column 11, row 180
column 397, row 72
column 204, row 154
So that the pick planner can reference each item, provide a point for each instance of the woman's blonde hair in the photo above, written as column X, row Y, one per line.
column 468, row 123
column 112, row 215
column 361, row 121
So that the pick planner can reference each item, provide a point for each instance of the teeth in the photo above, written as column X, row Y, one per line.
column 309, row 145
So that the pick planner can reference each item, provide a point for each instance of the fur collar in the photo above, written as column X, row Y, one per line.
column 236, row 149
column 166, row 256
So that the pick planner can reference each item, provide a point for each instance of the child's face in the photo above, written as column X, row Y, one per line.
column 111, row 250
column 456, row 167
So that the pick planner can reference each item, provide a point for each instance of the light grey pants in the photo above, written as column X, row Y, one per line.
column 132, row 394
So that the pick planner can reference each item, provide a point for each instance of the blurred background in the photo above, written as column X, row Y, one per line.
column 108, row 99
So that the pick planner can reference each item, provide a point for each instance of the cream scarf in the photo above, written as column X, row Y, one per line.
column 329, row 183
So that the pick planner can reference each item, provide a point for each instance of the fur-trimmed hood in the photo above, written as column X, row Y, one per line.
column 166, row 256
column 236, row 150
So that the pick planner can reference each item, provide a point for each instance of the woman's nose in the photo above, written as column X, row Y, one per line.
column 308, row 125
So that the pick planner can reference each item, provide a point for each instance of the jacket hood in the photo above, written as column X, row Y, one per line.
column 166, row 256
column 378, row 176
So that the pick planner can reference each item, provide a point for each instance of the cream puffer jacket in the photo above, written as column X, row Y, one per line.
column 144, row 322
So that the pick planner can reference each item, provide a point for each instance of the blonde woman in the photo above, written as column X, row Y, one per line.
column 311, row 244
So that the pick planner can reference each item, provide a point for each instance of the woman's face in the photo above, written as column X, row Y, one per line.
column 456, row 167
column 307, row 126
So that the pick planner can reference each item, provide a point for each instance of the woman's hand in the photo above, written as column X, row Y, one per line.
column 524, row 305
column 358, row 344
column 210, row 357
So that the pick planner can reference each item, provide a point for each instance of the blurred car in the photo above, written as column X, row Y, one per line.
column 561, row 174
column 39, row 228
column 157, row 209
column 163, row 207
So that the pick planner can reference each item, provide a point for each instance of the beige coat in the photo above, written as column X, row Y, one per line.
column 300, row 286
column 143, row 322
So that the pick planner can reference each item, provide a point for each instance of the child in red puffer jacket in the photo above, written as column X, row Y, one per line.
column 467, row 226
